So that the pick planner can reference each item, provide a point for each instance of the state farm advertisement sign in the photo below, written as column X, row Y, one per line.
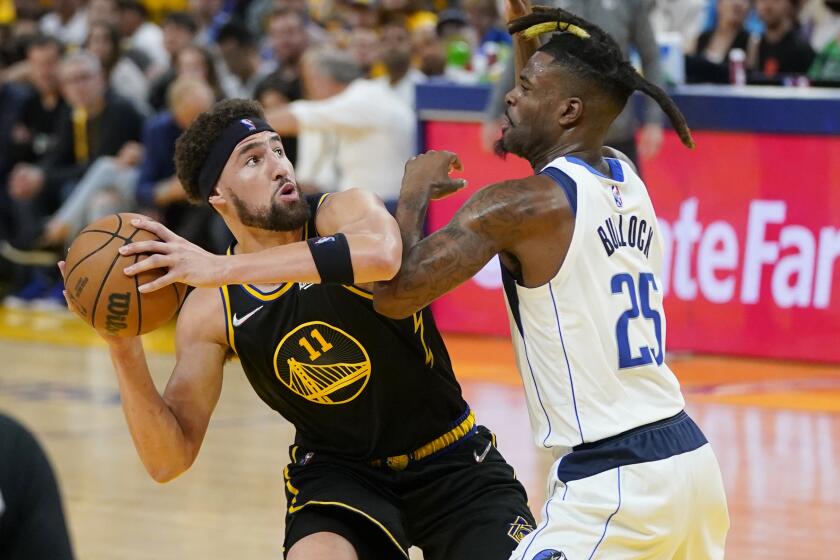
column 751, row 225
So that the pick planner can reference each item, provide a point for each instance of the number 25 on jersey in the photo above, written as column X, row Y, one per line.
column 639, row 304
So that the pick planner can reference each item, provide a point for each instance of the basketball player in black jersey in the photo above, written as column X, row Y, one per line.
column 387, row 453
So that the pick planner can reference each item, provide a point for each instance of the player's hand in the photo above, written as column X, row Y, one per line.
column 186, row 262
column 431, row 170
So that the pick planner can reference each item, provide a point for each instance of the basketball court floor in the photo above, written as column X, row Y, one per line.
column 775, row 428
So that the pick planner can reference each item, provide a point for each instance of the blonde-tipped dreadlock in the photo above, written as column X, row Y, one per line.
column 590, row 51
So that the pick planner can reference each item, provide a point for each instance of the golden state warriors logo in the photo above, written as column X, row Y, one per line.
column 322, row 363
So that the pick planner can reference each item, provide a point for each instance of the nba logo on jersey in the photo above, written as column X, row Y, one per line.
column 249, row 124
column 617, row 196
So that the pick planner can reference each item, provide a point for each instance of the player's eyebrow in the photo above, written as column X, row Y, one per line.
column 249, row 147
column 243, row 150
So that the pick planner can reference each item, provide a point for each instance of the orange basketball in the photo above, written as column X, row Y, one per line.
column 102, row 294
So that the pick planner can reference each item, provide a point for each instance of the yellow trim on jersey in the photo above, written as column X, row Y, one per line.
column 226, row 299
column 269, row 296
column 400, row 462
column 293, row 509
column 358, row 291
column 321, row 200
column 294, row 453
column 274, row 294
column 420, row 329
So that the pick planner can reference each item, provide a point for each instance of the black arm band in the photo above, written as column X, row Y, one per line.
column 332, row 258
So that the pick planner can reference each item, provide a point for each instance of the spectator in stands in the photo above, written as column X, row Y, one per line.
column 401, row 76
column 359, row 13
column 628, row 22
column 67, row 22
column 274, row 92
column 142, row 36
column 98, row 123
column 197, row 62
column 429, row 51
column 159, row 193
column 33, row 109
column 242, row 70
column 211, row 17
column 686, row 17
column 366, row 117
column 363, row 44
column 287, row 40
column 483, row 17
column 709, row 61
column 781, row 49
column 34, row 131
column 826, row 65
column 103, row 10
column 122, row 74
column 179, row 31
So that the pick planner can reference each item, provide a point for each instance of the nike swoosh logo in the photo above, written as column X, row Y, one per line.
column 480, row 458
column 237, row 321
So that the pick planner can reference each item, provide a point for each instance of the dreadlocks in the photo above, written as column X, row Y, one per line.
column 589, row 51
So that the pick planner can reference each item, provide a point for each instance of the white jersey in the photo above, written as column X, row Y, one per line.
column 590, row 343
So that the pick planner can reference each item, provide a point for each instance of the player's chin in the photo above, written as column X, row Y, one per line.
column 500, row 149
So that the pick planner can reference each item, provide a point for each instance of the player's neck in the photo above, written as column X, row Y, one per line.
column 587, row 151
column 252, row 240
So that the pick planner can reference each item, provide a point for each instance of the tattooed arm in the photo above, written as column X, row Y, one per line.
column 501, row 218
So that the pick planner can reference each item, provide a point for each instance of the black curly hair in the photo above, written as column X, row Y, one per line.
column 599, row 60
column 193, row 146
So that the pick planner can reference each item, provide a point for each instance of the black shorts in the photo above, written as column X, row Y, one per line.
column 460, row 504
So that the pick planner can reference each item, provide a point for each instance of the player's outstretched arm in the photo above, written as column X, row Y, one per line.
column 500, row 218
column 168, row 429
column 372, row 236
column 372, row 233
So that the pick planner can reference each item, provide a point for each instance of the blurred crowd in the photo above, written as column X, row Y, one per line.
column 94, row 93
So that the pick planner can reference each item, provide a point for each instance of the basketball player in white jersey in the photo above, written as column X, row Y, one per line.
column 581, row 255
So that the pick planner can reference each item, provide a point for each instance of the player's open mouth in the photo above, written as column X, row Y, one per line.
column 288, row 191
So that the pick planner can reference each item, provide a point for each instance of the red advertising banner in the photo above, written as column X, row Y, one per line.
column 751, row 224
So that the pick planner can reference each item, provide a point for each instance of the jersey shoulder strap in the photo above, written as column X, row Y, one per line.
column 314, row 201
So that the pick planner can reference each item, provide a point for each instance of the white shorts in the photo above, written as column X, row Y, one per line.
column 664, row 508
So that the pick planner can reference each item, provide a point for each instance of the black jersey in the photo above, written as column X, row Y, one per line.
column 353, row 382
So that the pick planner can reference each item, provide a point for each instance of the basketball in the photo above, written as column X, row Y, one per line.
column 102, row 294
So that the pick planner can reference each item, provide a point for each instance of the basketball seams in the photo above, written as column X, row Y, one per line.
column 107, row 274
column 101, row 286
column 83, row 259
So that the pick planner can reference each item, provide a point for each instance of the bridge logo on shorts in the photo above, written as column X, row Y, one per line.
column 550, row 554
column 322, row 363
column 519, row 529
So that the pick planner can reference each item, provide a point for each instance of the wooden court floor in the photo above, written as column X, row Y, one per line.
column 774, row 426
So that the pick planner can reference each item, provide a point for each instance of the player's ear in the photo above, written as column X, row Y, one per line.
column 217, row 200
column 570, row 111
